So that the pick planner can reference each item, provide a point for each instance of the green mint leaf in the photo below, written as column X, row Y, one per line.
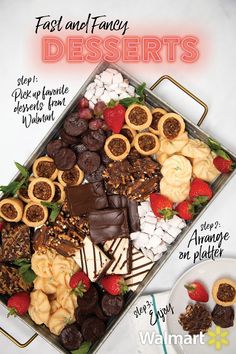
column 28, row 276
column 11, row 188
column 140, row 90
column 213, row 144
column 83, row 349
column 55, row 210
column 21, row 262
column 24, row 268
column 126, row 102
column 24, row 172
column 222, row 154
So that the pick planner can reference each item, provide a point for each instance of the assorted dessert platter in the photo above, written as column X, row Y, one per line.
column 107, row 195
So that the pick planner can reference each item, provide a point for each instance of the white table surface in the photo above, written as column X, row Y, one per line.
column 212, row 78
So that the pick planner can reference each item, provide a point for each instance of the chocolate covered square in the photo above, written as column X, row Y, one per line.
column 108, row 224
column 87, row 197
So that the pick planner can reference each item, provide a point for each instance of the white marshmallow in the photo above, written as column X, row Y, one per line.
column 157, row 257
column 151, row 219
column 146, row 206
column 117, row 78
column 161, row 248
column 131, row 90
column 99, row 91
column 135, row 235
column 141, row 211
column 141, row 241
column 93, row 100
column 147, row 253
column 106, row 77
column 105, row 97
column 174, row 231
column 148, row 228
column 114, row 95
column 89, row 94
column 154, row 241
column 124, row 95
column 113, row 71
column 182, row 224
column 165, row 226
column 167, row 238
column 91, row 105
column 98, row 83
column 175, row 221
column 124, row 85
column 159, row 232
column 91, row 86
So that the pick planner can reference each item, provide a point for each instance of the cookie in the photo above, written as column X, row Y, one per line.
column 175, row 193
column 170, row 147
column 75, row 126
column 196, row 148
column 94, row 140
column 177, row 170
column 205, row 169
column 65, row 159
column 89, row 161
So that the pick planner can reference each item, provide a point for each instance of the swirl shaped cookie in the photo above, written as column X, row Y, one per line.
column 170, row 147
column 196, row 149
column 205, row 169
column 62, row 269
column 177, row 170
column 58, row 320
column 175, row 193
column 41, row 263
column 47, row 285
column 39, row 309
column 67, row 299
column 161, row 157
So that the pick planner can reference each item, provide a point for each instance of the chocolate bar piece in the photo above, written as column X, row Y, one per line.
column 120, row 201
column 15, row 242
column 11, row 281
column 140, row 267
column 108, row 224
column 120, row 250
column 85, row 198
column 92, row 260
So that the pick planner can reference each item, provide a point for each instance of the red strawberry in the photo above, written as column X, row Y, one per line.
column 200, row 189
column 18, row 304
column 185, row 210
column 224, row 165
column 114, row 284
column 115, row 117
column 162, row 206
column 197, row 292
column 80, row 283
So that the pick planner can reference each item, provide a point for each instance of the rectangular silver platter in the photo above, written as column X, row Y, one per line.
column 193, row 130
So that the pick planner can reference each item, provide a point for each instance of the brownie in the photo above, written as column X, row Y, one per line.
column 85, row 198
column 11, row 281
column 15, row 242
column 108, row 224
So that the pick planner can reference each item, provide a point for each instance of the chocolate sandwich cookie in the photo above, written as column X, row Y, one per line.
column 68, row 139
column 54, row 146
column 85, row 198
column 74, row 125
column 88, row 302
column 94, row 140
column 92, row 329
column 70, row 337
column 89, row 161
column 223, row 316
column 112, row 305
column 65, row 159
column 80, row 316
column 78, row 148
column 108, row 224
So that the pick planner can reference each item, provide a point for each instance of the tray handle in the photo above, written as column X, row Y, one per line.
column 15, row 341
column 189, row 93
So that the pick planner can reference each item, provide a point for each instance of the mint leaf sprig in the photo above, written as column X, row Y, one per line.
column 55, row 210
column 13, row 187
column 83, row 349
column 140, row 96
column 25, row 270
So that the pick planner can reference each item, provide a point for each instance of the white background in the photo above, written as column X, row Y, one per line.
column 212, row 78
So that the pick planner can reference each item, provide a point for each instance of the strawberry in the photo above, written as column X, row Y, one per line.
column 197, row 292
column 224, row 165
column 80, row 283
column 162, row 206
column 114, row 284
column 200, row 191
column 114, row 117
column 18, row 304
column 185, row 210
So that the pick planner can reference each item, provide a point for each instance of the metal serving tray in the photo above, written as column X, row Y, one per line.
column 193, row 130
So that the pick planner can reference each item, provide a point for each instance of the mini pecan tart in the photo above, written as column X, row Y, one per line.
column 128, row 132
column 138, row 117
column 45, row 167
column 146, row 143
column 41, row 190
column 224, row 292
column 71, row 177
column 157, row 113
column 117, row 147
column 11, row 209
column 60, row 195
column 35, row 214
column 171, row 126
column 23, row 192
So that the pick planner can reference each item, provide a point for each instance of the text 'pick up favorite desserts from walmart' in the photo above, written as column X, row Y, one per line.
column 109, row 196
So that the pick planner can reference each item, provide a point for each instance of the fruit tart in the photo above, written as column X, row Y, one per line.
column 41, row 190
column 11, row 209
column 117, row 147
column 35, row 214
column 157, row 113
column 45, row 167
column 146, row 143
column 71, row 177
column 138, row 117
column 171, row 126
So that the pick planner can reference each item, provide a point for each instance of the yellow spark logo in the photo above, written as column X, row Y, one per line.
column 218, row 338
